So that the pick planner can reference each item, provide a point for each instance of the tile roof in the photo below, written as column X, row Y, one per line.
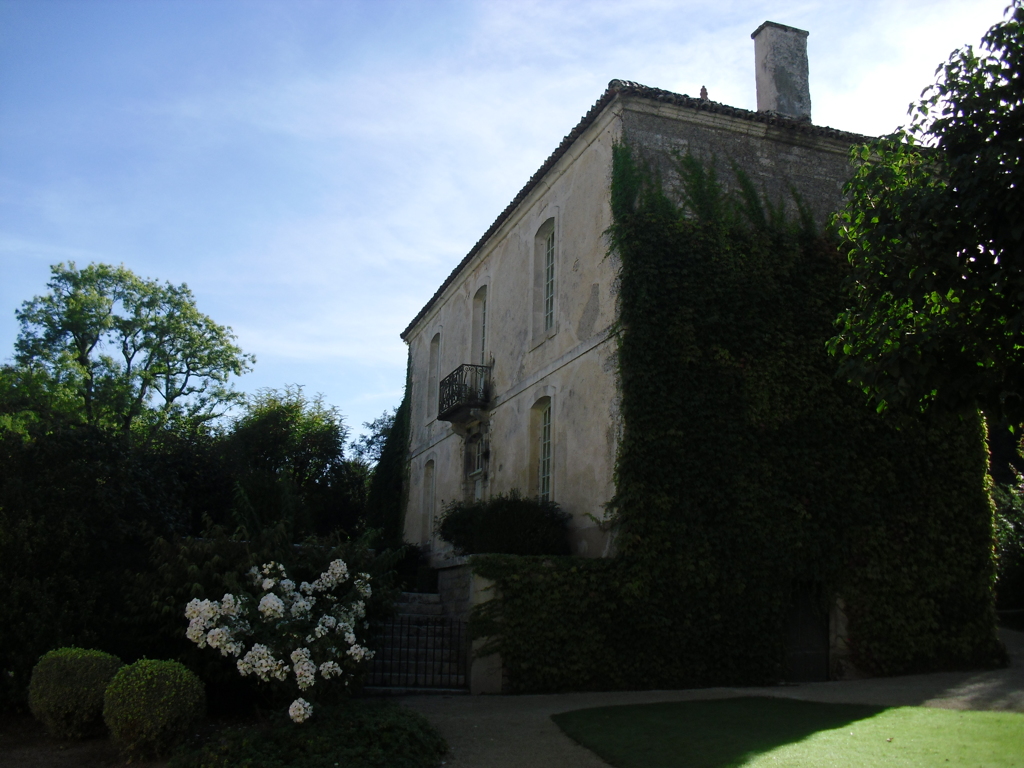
column 628, row 88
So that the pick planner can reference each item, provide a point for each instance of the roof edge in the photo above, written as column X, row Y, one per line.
column 624, row 88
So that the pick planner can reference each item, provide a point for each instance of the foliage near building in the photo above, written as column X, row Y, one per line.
column 933, row 231
column 385, row 503
column 287, row 451
column 746, row 469
column 121, row 499
column 507, row 524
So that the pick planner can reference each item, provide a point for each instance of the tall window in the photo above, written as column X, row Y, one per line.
column 478, row 456
column 544, row 454
column 545, row 276
column 433, row 364
column 476, row 466
column 427, row 530
column 541, row 450
column 549, row 281
column 483, row 328
column 479, row 345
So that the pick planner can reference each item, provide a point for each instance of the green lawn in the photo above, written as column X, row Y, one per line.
column 785, row 732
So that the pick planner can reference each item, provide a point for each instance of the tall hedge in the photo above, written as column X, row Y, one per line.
column 746, row 468
column 385, row 502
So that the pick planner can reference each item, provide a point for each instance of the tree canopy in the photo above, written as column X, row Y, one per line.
column 934, row 231
column 369, row 445
column 286, row 452
column 122, row 352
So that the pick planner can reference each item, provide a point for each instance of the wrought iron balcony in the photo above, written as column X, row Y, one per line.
column 462, row 391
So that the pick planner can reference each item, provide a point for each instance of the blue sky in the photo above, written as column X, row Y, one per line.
column 313, row 170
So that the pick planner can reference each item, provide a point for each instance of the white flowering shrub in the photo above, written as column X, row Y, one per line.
column 307, row 633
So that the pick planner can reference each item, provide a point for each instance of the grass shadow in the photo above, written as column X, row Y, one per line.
column 703, row 734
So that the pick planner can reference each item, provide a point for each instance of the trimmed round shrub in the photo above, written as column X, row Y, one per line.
column 66, row 691
column 151, row 705
column 506, row 524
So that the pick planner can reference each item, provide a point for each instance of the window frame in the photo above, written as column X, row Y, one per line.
column 549, row 281
column 478, row 344
column 544, row 467
column 545, row 281
column 433, row 382
column 542, row 449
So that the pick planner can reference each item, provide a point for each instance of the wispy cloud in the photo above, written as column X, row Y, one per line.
column 315, row 172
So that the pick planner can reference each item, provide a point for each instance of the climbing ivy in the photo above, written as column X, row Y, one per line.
column 746, row 469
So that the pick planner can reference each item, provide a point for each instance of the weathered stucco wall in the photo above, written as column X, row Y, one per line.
column 573, row 364
column 776, row 158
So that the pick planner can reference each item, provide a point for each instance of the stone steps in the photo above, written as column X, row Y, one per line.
column 419, row 604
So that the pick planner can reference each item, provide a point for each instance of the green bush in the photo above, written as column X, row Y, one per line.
column 66, row 691
column 151, row 705
column 561, row 623
column 507, row 525
column 356, row 734
column 74, row 514
column 1009, row 518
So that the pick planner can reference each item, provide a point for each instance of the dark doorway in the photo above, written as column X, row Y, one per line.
column 806, row 657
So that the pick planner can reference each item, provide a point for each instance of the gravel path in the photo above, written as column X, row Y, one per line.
column 517, row 731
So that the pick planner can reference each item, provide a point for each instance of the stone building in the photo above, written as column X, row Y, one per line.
column 513, row 370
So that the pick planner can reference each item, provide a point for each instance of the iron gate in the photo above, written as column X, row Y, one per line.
column 420, row 652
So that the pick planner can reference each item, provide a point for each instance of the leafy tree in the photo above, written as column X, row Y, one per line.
column 123, row 353
column 287, row 454
column 368, row 446
column 388, row 486
column 934, row 230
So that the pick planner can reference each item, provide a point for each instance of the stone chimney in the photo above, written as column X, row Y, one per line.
column 780, row 62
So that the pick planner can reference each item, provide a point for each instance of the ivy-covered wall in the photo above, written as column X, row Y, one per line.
column 746, row 468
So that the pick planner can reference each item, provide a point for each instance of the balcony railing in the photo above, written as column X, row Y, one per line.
column 463, row 390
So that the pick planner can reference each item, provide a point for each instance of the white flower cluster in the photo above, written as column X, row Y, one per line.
column 231, row 606
column 261, row 662
column 284, row 614
column 203, row 616
column 270, row 574
column 302, row 605
column 330, row 669
column 359, row 652
column 323, row 628
column 271, row 606
column 336, row 573
column 300, row 710
column 222, row 639
column 305, row 669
